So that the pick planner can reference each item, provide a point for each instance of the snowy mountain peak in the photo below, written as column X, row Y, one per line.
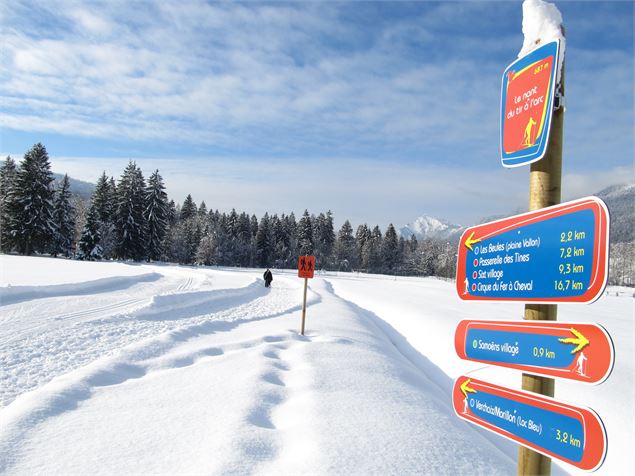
column 426, row 226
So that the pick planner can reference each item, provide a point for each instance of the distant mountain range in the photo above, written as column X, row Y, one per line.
column 620, row 200
column 429, row 227
column 78, row 187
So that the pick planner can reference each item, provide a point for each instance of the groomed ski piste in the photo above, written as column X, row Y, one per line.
column 114, row 368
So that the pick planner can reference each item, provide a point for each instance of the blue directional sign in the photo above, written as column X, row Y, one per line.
column 570, row 350
column 555, row 254
column 572, row 434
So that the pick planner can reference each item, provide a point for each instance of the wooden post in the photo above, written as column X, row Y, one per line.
column 306, row 282
column 545, row 179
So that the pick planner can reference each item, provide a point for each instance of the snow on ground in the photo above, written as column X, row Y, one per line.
column 426, row 312
column 115, row 304
column 167, row 369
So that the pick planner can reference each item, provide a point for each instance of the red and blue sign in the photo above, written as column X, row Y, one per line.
column 571, row 434
column 526, row 105
column 570, row 350
column 555, row 254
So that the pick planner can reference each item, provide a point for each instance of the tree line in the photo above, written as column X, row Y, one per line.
column 133, row 219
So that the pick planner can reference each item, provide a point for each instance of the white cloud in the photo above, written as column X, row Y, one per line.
column 240, row 71
column 360, row 190
column 91, row 23
column 303, row 80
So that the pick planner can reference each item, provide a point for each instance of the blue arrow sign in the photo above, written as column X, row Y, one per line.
column 579, row 351
column 554, row 254
column 572, row 434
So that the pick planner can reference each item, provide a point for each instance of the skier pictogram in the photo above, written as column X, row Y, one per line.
column 580, row 364
column 527, row 142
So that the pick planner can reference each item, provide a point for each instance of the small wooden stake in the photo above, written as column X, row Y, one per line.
column 306, row 282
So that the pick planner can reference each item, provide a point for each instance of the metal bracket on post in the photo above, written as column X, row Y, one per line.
column 558, row 99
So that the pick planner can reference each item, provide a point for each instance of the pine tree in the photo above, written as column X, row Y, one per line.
column 172, row 213
column 361, row 237
column 232, row 224
column 30, row 204
column 103, row 199
column 253, row 225
column 156, row 215
column 202, row 210
column 8, row 171
column 345, row 249
column 291, row 228
column 64, row 219
column 243, row 240
column 372, row 251
column 253, row 247
column 89, row 247
column 305, row 235
column 264, row 245
column 411, row 257
column 324, row 238
column 193, row 233
column 206, row 252
column 188, row 210
column 130, row 222
column 390, row 250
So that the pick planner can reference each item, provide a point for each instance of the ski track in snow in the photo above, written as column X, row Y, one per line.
column 163, row 353
column 98, row 326
column 172, row 375
column 269, row 401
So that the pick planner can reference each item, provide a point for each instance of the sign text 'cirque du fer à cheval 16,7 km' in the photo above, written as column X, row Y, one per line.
column 527, row 92
column 555, row 254
column 569, row 433
column 569, row 350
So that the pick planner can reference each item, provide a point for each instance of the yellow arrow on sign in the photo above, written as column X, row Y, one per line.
column 465, row 388
column 580, row 341
column 470, row 241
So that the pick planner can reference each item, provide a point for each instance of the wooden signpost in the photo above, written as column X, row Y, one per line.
column 553, row 253
column 306, row 269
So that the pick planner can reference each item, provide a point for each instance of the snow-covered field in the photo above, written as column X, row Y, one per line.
column 119, row 368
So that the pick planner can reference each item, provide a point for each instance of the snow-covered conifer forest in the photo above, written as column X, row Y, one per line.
column 134, row 219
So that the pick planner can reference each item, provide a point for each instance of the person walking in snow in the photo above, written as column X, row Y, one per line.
column 268, row 277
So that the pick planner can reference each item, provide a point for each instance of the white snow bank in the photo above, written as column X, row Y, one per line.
column 49, row 330
column 41, row 271
column 250, row 397
column 14, row 294
column 180, row 305
column 426, row 311
column 542, row 23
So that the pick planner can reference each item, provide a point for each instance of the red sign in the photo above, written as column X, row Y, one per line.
column 571, row 434
column 526, row 105
column 306, row 266
column 555, row 254
column 575, row 351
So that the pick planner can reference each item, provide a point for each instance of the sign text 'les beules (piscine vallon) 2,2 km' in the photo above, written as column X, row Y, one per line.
column 572, row 434
column 555, row 254
column 527, row 94
column 571, row 350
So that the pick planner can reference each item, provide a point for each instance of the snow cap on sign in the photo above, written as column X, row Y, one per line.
column 542, row 23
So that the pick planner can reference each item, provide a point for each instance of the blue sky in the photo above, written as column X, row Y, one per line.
column 379, row 111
